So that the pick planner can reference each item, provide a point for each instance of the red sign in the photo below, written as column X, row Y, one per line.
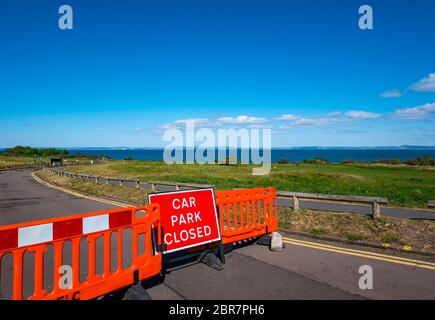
column 188, row 218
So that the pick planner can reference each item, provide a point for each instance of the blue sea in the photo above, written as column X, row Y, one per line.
column 293, row 155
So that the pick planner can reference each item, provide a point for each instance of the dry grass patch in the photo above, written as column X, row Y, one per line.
column 122, row 193
column 419, row 234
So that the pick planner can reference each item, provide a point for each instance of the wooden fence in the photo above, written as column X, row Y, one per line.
column 375, row 202
column 297, row 196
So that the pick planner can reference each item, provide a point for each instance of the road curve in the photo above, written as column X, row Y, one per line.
column 23, row 199
column 252, row 272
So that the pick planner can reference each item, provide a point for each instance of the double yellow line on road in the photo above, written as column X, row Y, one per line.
column 360, row 253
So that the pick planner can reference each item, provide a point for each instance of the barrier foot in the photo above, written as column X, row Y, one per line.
column 276, row 243
column 133, row 292
column 212, row 260
column 136, row 292
column 264, row 240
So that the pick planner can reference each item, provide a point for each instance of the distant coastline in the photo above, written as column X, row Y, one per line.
column 293, row 155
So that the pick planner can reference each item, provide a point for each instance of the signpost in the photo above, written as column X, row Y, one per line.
column 189, row 218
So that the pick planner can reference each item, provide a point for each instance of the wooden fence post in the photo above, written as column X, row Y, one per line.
column 295, row 203
column 376, row 210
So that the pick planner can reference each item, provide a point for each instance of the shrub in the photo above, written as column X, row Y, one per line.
column 317, row 231
column 411, row 162
column 20, row 151
column 283, row 161
column 426, row 161
column 390, row 239
column 316, row 161
column 393, row 161
column 355, row 237
column 421, row 161
column 347, row 161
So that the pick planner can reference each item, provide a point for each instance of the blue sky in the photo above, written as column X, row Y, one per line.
column 129, row 69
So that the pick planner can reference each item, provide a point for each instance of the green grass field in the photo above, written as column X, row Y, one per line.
column 407, row 186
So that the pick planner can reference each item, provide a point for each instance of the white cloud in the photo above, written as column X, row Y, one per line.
column 241, row 120
column 288, row 117
column 361, row 115
column 196, row 122
column 181, row 123
column 333, row 114
column 330, row 118
column 419, row 112
column 204, row 123
column 392, row 94
column 313, row 122
column 260, row 126
column 426, row 84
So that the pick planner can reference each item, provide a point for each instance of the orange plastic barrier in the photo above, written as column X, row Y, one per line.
column 246, row 213
column 36, row 237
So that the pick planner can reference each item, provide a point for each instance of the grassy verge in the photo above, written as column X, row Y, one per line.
column 127, row 194
column 406, row 186
column 387, row 231
column 396, row 232
column 15, row 161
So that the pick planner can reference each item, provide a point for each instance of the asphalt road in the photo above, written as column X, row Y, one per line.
column 23, row 199
column 252, row 272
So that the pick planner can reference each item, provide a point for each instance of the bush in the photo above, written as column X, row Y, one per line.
column 316, row 161
column 390, row 239
column 85, row 156
column 411, row 162
column 393, row 161
column 426, row 161
column 129, row 158
column 422, row 161
column 20, row 151
column 347, row 161
column 283, row 161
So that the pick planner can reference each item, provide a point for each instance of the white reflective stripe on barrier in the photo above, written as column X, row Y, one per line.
column 95, row 224
column 35, row 234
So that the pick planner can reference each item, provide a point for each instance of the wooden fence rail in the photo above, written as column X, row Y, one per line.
column 297, row 196
column 179, row 185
